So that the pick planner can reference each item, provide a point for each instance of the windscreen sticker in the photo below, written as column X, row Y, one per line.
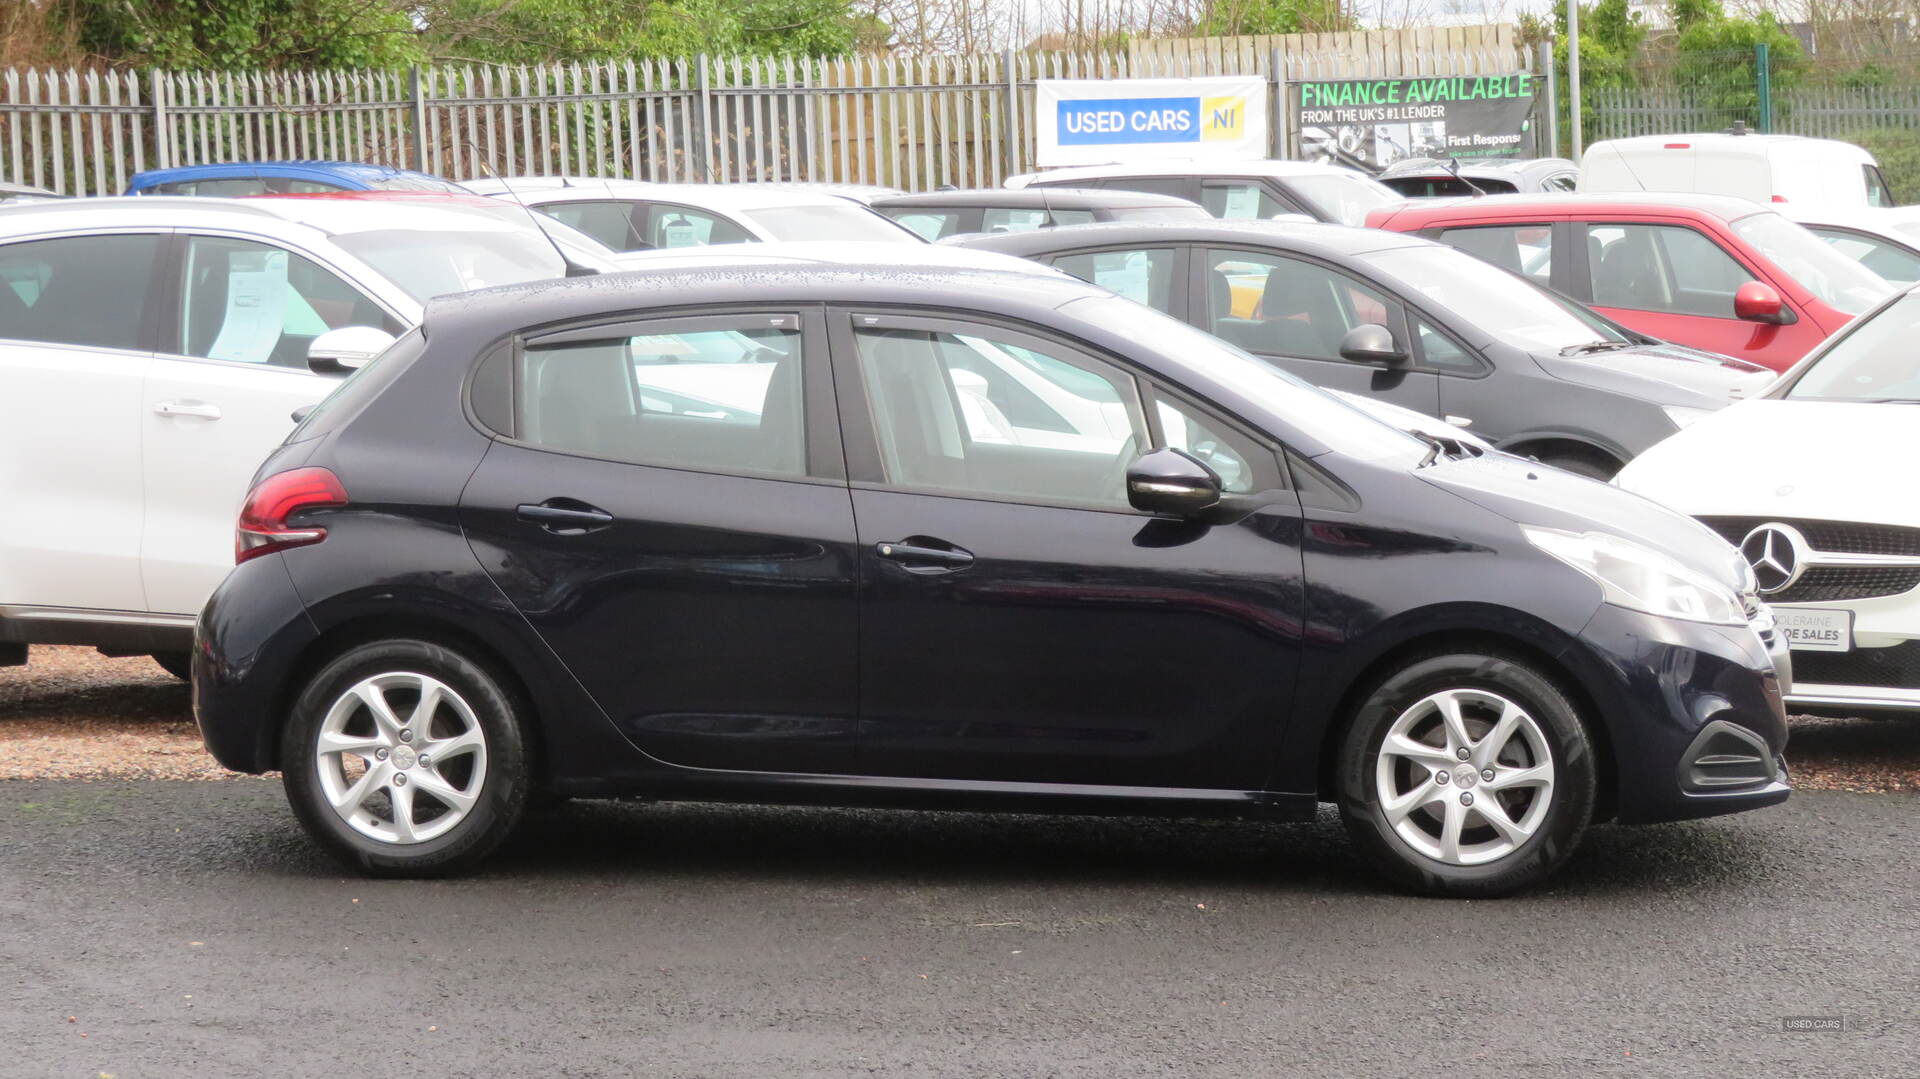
column 256, row 307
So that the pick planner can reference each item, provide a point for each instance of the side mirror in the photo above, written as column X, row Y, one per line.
column 337, row 352
column 1371, row 343
column 1173, row 483
column 1759, row 302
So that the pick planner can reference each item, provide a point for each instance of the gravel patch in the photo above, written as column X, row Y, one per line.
column 72, row 713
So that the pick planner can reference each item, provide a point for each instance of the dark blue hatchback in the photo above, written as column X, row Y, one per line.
column 782, row 530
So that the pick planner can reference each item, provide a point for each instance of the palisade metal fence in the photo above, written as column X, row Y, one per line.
column 1798, row 95
column 909, row 122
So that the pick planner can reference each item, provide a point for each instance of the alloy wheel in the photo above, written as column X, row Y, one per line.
column 401, row 757
column 1464, row 776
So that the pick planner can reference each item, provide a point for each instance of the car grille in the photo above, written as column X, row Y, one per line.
column 1834, row 537
column 1896, row 667
column 1827, row 584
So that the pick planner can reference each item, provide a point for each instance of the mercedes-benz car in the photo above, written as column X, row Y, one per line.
column 1810, row 480
column 729, row 535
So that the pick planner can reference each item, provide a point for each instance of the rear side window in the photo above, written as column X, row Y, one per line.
column 1524, row 249
column 709, row 396
column 1239, row 200
column 81, row 290
column 928, row 224
column 1177, row 186
column 670, row 225
column 1144, row 275
column 1662, row 268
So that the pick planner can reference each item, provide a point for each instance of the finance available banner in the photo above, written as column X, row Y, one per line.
column 1371, row 123
column 1102, row 121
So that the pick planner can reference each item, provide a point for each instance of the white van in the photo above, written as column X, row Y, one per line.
column 1763, row 168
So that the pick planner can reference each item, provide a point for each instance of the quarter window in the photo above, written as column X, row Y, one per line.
column 1211, row 442
column 1438, row 350
column 1143, row 275
column 986, row 415
column 255, row 303
column 83, row 290
column 1662, row 268
column 1286, row 307
column 697, row 397
column 1523, row 249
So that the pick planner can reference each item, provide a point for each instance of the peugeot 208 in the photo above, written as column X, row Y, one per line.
column 958, row 537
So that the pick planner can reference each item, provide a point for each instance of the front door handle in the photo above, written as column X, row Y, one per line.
column 201, row 409
column 918, row 554
column 564, row 516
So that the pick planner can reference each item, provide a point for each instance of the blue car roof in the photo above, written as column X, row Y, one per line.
column 352, row 175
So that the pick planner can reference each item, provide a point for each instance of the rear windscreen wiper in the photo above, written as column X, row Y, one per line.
column 1594, row 346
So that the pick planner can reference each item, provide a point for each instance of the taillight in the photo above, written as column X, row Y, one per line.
column 1779, row 198
column 263, row 524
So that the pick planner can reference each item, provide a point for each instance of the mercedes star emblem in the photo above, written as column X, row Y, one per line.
column 1777, row 553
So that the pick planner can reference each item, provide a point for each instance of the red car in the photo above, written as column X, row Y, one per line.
column 1717, row 273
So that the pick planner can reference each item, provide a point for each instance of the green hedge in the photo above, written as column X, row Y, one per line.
column 1898, row 151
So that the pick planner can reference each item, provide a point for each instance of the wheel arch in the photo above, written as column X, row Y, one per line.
column 1541, row 444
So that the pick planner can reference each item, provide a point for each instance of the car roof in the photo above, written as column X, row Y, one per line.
column 740, row 196
column 1188, row 167
column 1305, row 237
column 332, row 216
column 1716, row 139
column 1036, row 198
column 1506, row 207
column 354, row 171
column 833, row 253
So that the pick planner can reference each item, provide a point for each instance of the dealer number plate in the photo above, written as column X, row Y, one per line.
column 1812, row 630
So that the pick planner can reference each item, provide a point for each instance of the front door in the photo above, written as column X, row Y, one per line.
column 667, row 521
column 1019, row 621
column 1293, row 313
column 220, row 396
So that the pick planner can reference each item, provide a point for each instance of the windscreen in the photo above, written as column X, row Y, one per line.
column 1874, row 362
column 1493, row 300
column 830, row 222
column 1345, row 199
column 1837, row 280
column 428, row 264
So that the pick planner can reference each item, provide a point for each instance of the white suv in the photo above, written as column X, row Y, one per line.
column 152, row 351
column 1262, row 189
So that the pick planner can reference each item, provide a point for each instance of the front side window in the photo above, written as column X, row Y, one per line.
column 1523, row 249
column 1893, row 262
column 1285, row 307
column 81, row 290
column 1143, row 275
column 671, row 225
column 1667, row 268
column 1875, row 361
column 704, row 397
column 611, row 223
column 254, row 303
column 1878, row 194
column 992, row 416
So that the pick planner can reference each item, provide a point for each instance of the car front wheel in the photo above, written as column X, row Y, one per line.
column 404, row 758
column 1466, row 774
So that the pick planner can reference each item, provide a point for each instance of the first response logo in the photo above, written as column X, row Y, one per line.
column 1114, row 121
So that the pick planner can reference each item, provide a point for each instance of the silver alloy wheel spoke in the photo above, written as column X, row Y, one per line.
column 1471, row 809
column 364, row 750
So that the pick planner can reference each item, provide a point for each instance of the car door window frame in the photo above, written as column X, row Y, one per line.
column 1578, row 254
column 160, row 287
column 1179, row 300
column 820, row 422
column 1200, row 264
column 168, row 339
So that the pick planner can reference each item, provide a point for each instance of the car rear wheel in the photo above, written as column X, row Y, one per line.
column 1466, row 774
column 404, row 758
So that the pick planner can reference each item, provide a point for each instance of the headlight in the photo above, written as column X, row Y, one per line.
column 1681, row 415
column 1641, row 578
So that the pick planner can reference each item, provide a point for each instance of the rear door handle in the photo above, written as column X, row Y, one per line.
column 919, row 555
column 564, row 516
column 188, row 408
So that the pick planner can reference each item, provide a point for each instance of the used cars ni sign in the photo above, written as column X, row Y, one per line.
column 735, row 536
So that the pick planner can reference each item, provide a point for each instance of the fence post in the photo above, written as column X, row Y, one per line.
column 162, row 144
column 1011, row 129
column 419, row 119
column 1553, row 99
column 1278, row 136
column 1763, row 78
column 704, row 130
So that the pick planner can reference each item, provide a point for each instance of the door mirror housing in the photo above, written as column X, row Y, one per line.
column 1173, row 483
column 1371, row 343
column 348, row 348
column 1757, row 301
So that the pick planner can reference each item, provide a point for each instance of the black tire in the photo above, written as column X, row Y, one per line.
column 503, row 784
column 178, row 664
column 1554, row 837
column 1594, row 466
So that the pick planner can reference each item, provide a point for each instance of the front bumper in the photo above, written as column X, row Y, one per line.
column 1882, row 671
column 1680, row 700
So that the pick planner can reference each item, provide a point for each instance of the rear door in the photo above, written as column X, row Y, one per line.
column 220, row 393
column 669, row 514
column 1293, row 312
column 76, row 338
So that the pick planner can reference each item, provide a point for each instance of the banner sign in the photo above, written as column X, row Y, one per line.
column 1371, row 123
column 1101, row 121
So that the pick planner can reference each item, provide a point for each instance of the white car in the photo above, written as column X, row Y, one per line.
column 151, row 352
column 631, row 215
column 1811, row 480
column 1768, row 169
column 1261, row 189
column 1885, row 240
